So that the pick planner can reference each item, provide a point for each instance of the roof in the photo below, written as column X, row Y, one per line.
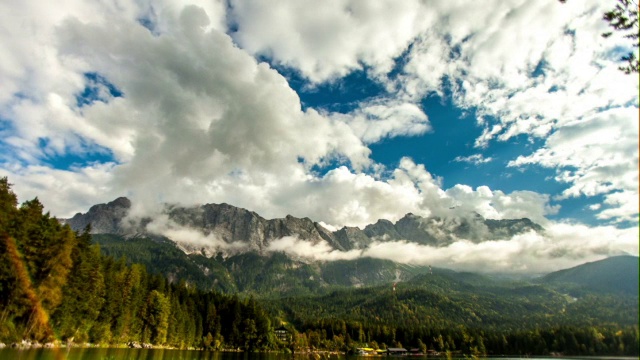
column 396, row 349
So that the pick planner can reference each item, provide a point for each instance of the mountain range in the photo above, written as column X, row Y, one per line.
column 230, row 253
column 226, row 224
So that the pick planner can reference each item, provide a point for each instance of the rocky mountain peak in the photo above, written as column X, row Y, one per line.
column 104, row 218
column 230, row 224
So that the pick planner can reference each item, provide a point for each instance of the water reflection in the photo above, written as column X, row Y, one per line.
column 166, row 354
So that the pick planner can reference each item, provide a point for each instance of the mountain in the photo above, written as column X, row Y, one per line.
column 227, row 224
column 617, row 274
column 231, row 224
column 103, row 218
column 223, row 247
column 251, row 272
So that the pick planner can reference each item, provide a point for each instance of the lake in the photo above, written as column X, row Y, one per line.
column 166, row 354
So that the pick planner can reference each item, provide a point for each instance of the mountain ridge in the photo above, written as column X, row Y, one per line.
column 228, row 224
column 616, row 274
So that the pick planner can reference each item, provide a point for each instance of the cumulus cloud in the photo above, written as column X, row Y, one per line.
column 596, row 155
column 377, row 120
column 202, row 121
column 498, row 205
column 326, row 41
column 526, row 68
column 62, row 192
column 539, row 69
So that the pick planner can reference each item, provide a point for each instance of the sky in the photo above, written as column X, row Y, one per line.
column 344, row 111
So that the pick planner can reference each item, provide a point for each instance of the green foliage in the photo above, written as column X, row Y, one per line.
column 614, row 275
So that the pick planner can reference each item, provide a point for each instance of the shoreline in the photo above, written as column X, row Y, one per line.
column 57, row 344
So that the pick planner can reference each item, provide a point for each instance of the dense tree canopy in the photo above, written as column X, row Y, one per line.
column 54, row 284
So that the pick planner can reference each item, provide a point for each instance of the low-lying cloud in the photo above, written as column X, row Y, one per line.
column 193, row 240
column 320, row 251
column 560, row 246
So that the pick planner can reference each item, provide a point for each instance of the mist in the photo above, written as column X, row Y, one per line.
column 562, row 245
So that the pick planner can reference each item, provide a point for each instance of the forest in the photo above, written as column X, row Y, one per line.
column 57, row 285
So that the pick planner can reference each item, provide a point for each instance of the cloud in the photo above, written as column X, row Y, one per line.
column 62, row 192
column 377, row 120
column 193, row 240
column 498, row 205
column 475, row 159
column 325, row 41
column 526, row 68
column 561, row 246
column 306, row 250
column 200, row 120
column 596, row 155
column 539, row 70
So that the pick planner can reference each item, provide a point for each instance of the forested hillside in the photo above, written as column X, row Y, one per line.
column 272, row 274
column 617, row 275
column 56, row 284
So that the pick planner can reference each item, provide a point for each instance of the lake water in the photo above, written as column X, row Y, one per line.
column 164, row 354
column 132, row 354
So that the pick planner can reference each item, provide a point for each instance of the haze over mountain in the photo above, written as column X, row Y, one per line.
column 617, row 274
column 463, row 243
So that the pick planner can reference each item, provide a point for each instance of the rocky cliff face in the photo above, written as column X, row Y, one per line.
column 104, row 218
column 232, row 224
column 436, row 231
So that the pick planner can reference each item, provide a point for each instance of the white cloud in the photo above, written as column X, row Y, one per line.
column 526, row 67
column 561, row 246
column 475, row 159
column 202, row 121
column 377, row 120
column 328, row 40
column 596, row 155
column 539, row 69
column 306, row 250
column 498, row 205
column 62, row 192
column 193, row 240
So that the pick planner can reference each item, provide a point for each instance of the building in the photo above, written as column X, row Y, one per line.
column 283, row 334
column 397, row 351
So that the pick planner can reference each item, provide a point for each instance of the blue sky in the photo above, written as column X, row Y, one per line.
column 345, row 112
